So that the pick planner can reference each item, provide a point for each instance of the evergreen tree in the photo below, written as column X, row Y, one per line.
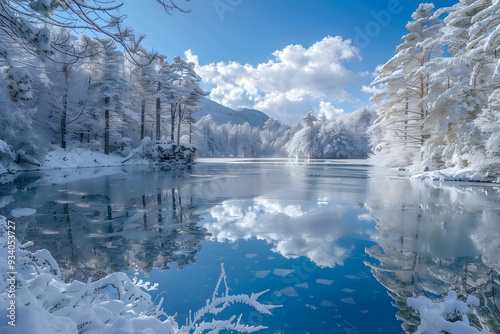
column 398, row 134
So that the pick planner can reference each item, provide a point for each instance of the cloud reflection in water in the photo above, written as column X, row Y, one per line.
column 294, row 228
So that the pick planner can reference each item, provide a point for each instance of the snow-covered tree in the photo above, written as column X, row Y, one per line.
column 187, row 92
column 484, row 49
column 106, row 85
column 398, row 135
column 304, row 142
column 26, row 21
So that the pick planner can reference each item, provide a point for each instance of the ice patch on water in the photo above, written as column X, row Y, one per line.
column 325, row 281
column 22, row 212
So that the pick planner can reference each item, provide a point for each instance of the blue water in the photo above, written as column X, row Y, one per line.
column 340, row 245
column 344, row 299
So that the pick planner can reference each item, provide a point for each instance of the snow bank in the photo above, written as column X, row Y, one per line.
column 448, row 316
column 37, row 301
column 485, row 173
column 88, row 161
column 79, row 157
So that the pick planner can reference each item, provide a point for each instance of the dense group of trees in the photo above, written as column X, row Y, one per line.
column 313, row 137
column 439, row 95
column 105, row 92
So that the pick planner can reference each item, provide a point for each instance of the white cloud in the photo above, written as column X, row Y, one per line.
column 330, row 111
column 289, row 85
column 372, row 89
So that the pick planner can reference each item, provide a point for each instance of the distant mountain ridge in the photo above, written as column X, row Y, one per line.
column 222, row 115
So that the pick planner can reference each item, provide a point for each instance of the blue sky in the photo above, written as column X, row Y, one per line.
column 327, row 50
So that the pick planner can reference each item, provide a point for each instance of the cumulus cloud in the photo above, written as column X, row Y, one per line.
column 372, row 89
column 329, row 110
column 289, row 85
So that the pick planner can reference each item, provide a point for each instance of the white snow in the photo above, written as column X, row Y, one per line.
column 457, row 174
column 80, row 157
column 441, row 317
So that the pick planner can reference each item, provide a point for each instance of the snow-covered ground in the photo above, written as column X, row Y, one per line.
column 486, row 173
column 80, row 157
column 78, row 163
column 73, row 164
column 59, row 158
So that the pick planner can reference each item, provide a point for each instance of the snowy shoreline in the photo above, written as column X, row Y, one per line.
column 79, row 159
column 483, row 174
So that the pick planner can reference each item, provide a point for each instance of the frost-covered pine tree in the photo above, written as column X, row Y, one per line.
column 484, row 49
column 107, row 86
column 187, row 92
column 398, row 135
column 19, row 78
column 462, row 90
column 303, row 142
column 451, row 99
column 273, row 132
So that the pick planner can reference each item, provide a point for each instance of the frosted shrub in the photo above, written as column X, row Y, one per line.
column 160, row 152
column 95, row 146
column 122, row 146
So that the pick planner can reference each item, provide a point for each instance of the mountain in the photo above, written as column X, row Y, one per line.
column 222, row 115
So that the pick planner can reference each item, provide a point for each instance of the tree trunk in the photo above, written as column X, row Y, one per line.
column 106, row 125
column 172, row 121
column 143, row 117
column 179, row 119
column 64, row 116
column 158, row 118
column 190, row 132
column 422, row 110
column 407, row 108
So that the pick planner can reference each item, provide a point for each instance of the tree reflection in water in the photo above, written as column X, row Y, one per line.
column 91, row 235
column 446, row 241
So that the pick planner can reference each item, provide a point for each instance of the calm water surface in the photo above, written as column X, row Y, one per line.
column 339, row 244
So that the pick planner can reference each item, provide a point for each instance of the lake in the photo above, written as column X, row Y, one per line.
column 339, row 244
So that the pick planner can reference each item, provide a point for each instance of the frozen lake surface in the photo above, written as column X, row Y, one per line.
column 339, row 244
